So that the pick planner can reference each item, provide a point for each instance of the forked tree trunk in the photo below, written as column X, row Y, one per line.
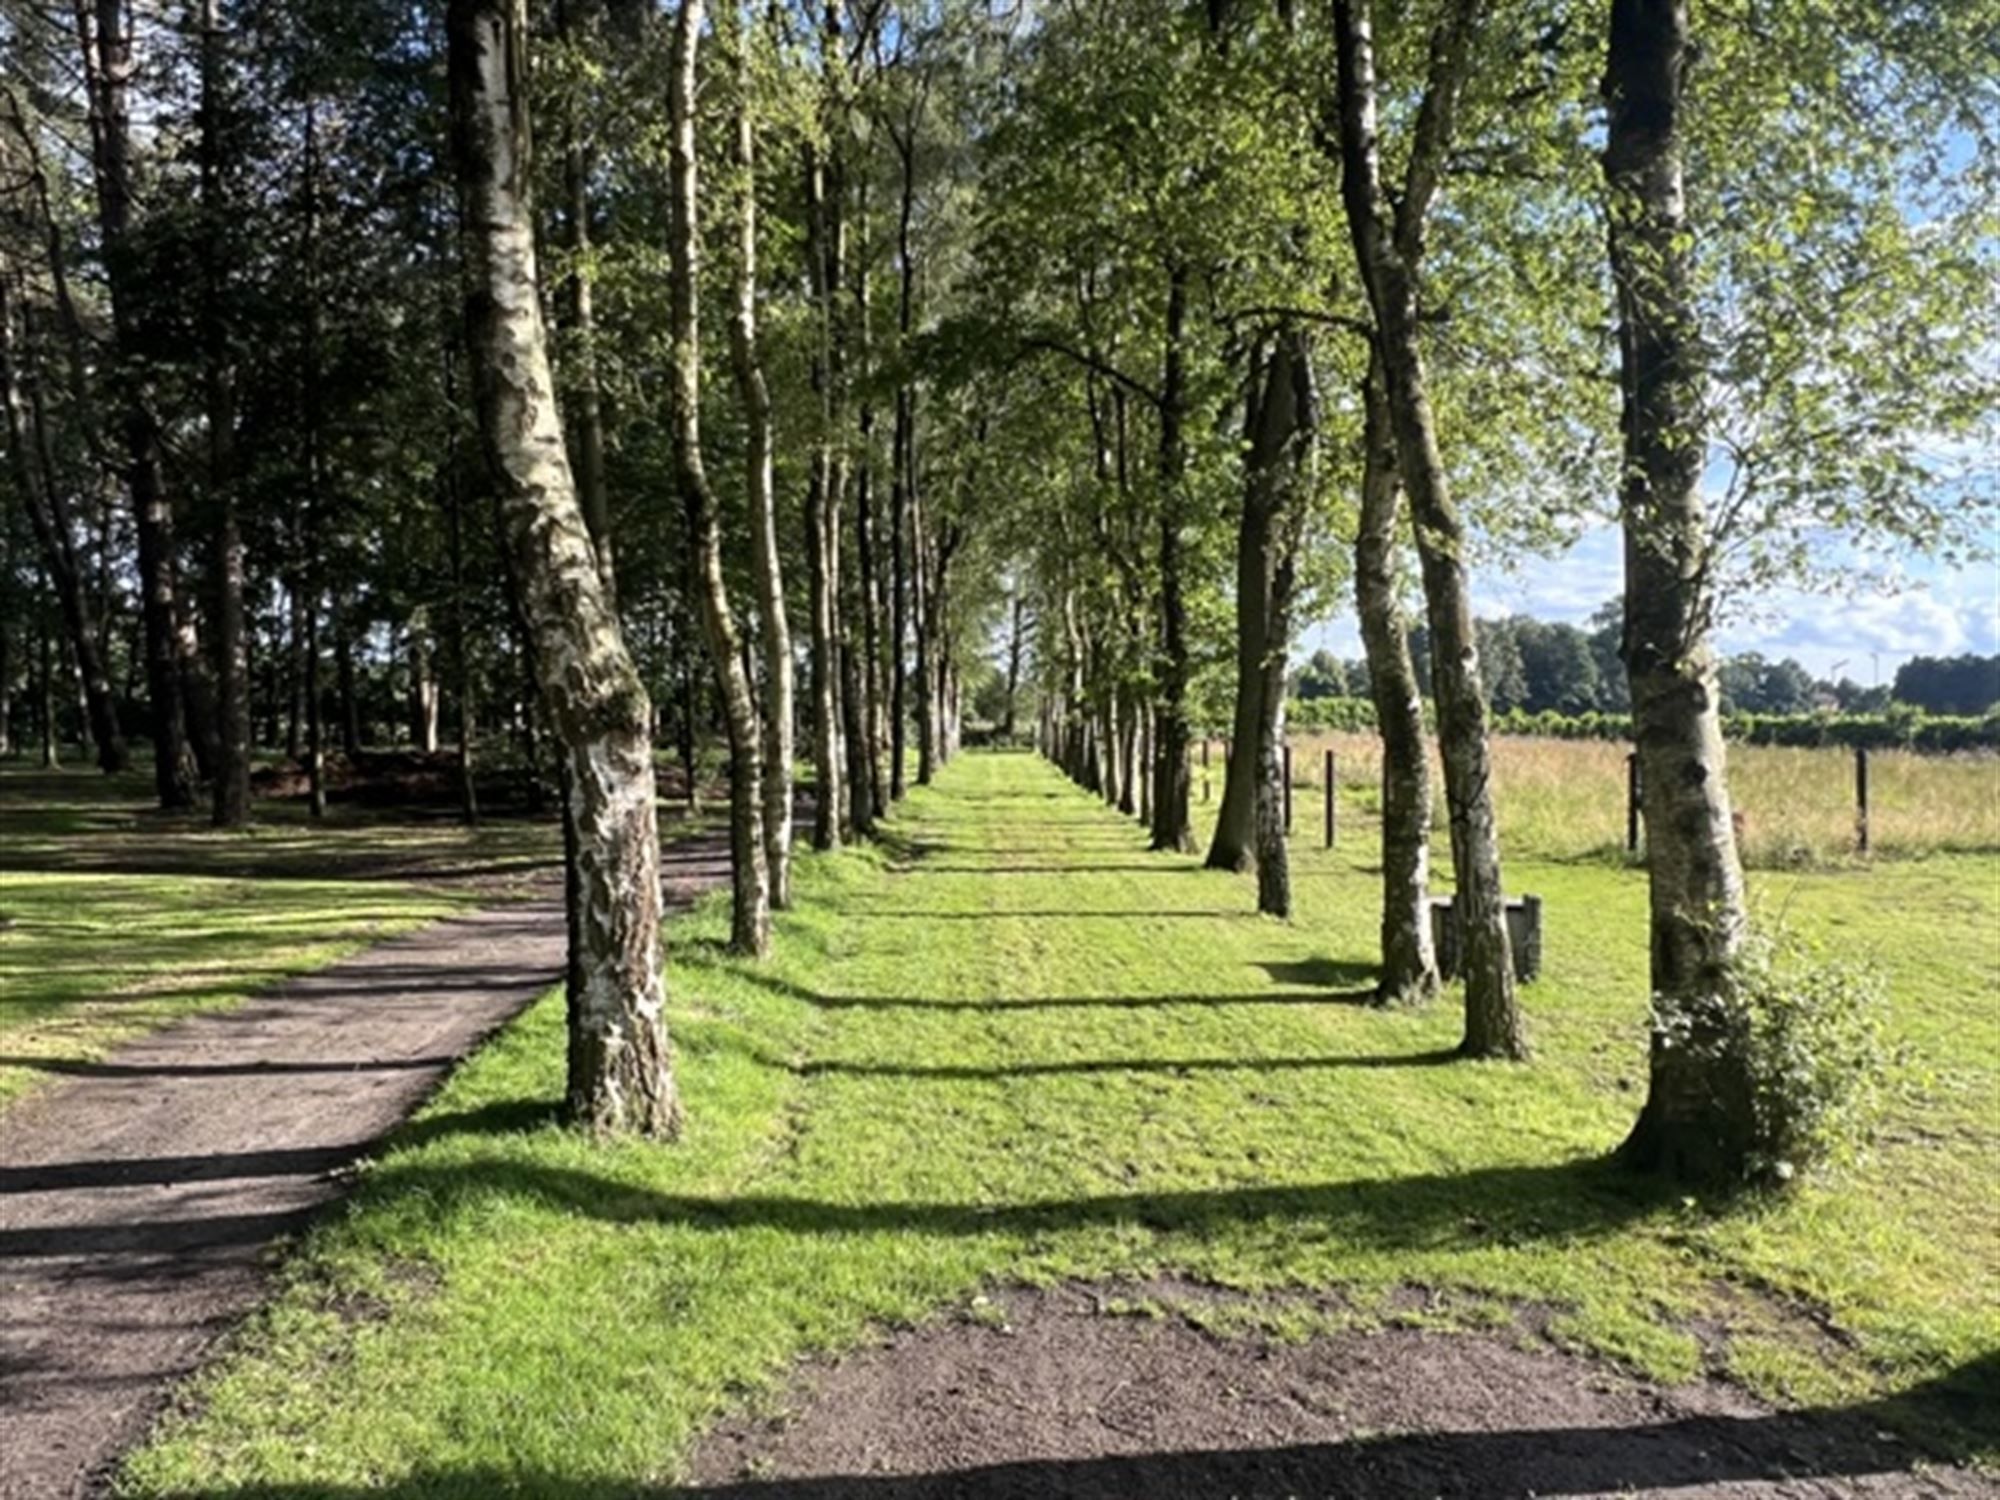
column 103, row 31
column 750, row 925
column 1409, row 962
column 620, row 1061
column 1386, row 251
column 1699, row 1122
column 755, row 395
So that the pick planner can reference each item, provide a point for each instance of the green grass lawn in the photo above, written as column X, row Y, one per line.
column 1010, row 1044
column 116, row 918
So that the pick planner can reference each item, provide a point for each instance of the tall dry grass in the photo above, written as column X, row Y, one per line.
column 1565, row 799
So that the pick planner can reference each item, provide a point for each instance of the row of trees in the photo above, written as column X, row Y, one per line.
column 1537, row 666
column 1128, row 335
column 1422, row 203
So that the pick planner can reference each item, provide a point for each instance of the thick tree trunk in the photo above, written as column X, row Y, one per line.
column 1409, row 964
column 750, row 926
column 1386, row 257
column 620, row 1061
column 107, row 70
column 1172, row 825
column 755, row 395
column 36, row 482
column 1699, row 1122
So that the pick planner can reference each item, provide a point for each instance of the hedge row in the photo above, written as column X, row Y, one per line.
column 1901, row 728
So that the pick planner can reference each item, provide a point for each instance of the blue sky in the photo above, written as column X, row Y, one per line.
column 1938, row 611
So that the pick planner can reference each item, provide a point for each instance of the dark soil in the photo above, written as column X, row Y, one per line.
column 140, row 1202
column 1057, row 1399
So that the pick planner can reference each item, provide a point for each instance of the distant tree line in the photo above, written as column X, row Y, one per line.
column 1552, row 667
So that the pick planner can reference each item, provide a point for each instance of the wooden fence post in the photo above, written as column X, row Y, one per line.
column 1288, row 788
column 1632, row 791
column 1329, row 800
column 1861, row 798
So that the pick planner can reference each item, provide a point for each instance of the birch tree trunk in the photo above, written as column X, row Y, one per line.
column 750, row 925
column 586, row 401
column 620, row 1060
column 1387, row 248
column 755, row 395
column 1409, row 964
column 1698, row 1123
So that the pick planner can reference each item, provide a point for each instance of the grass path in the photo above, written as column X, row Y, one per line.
column 1010, row 1044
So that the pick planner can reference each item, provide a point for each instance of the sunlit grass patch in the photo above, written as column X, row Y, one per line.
column 1011, row 1045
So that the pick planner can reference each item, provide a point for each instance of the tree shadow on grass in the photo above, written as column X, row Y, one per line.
column 1086, row 1066
column 1008, row 1004
column 1953, row 1414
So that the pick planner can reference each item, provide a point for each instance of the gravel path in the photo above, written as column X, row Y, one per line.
column 139, row 1201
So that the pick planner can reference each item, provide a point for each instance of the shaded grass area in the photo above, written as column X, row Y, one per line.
column 116, row 918
column 1008, row 1044
column 77, row 820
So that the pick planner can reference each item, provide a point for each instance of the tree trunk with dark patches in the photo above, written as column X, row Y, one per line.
column 754, row 393
column 1409, row 964
column 1280, row 465
column 620, row 1061
column 1387, row 250
column 1699, row 1120
column 750, row 924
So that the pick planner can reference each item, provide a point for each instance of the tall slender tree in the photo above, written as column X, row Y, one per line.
column 1699, row 1119
column 620, row 1060
column 750, row 927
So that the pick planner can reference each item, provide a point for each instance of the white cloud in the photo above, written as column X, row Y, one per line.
column 1935, row 611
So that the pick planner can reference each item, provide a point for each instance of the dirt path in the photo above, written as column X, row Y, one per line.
column 139, row 1201
column 1044, row 1397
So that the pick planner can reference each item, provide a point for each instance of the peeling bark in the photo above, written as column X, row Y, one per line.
column 1388, row 247
column 1409, row 964
column 754, row 393
column 750, row 925
column 1699, row 1120
column 620, row 1060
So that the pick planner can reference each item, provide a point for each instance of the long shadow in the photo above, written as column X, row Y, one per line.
column 820, row 1001
column 878, row 914
column 1096, row 1065
column 309, row 1161
column 1564, row 1203
column 1089, row 1002
column 1956, row 1414
column 1085, row 868
column 79, row 1068
column 1328, row 973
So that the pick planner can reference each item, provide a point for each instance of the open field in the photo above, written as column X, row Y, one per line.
column 1011, row 1045
column 1565, row 799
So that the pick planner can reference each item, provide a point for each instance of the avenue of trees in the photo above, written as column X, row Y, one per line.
column 586, row 382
